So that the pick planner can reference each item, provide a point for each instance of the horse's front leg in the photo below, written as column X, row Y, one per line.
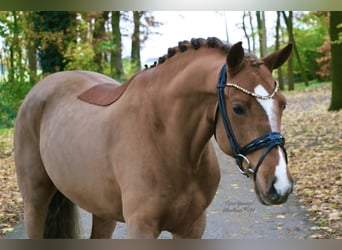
column 140, row 226
column 195, row 231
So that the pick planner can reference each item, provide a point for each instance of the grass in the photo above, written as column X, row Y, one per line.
column 312, row 84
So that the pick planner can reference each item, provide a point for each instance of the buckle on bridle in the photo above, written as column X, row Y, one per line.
column 239, row 160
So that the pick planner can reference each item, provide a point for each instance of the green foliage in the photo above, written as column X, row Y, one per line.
column 129, row 69
column 11, row 29
column 339, row 40
column 53, row 35
column 307, row 43
column 107, row 46
column 11, row 96
column 313, row 84
column 310, row 34
column 80, row 56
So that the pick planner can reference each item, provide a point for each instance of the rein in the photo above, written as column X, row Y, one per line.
column 267, row 141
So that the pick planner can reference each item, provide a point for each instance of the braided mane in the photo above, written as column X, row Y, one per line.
column 197, row 43
column 194, row 43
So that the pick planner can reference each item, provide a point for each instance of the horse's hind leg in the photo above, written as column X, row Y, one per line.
column 102, row 228
column 36, row 188
column 34, row 183
column 37, row 191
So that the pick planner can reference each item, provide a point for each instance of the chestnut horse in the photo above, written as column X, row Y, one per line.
column 141, row 153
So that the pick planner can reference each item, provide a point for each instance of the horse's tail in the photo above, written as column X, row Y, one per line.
column 62, row 218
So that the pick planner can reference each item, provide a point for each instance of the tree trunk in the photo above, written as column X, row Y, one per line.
column 259, row 24
column 245, row 31
column 277, row 47
column 32, row 61
column 13, row 48
column 336, row 61
column 116, row 54
column 99, row 34
column 264, row 33
column 17, row 47
column 135, row 53
column 31, row 49
column 252, row 30
column 289, row 26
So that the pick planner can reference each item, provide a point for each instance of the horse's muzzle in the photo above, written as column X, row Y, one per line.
column 273, row 196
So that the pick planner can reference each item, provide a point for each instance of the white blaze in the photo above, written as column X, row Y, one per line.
column 282, row 184
column 268, row 106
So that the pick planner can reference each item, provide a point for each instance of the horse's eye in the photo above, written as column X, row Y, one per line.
column 284, row 107
column 238, row 110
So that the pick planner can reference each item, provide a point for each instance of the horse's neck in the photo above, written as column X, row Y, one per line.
column 180, row 103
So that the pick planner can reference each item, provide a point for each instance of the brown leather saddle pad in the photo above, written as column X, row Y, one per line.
column 103, row 94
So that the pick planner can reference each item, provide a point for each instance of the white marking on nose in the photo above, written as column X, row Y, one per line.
column 282, row 184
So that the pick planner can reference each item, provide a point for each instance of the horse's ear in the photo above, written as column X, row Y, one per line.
column 278, row 58
column 235, row 55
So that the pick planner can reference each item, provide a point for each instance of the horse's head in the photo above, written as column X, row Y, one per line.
column 249, row 119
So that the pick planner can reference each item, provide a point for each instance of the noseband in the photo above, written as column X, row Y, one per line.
column 267, row 141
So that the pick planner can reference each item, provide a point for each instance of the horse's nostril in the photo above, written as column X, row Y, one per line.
column 272, row 193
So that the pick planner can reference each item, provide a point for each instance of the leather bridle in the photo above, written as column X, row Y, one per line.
column 267, row 141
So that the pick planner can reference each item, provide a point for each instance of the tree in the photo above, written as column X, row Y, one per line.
column 31, row 47
column 250, row 36
column 324, row 61
column 135, row 52
column 11, row 28
column 245, row 31
column 144, row 22
column 99, row 36
column 53, row 34
column 312, row 42
column 252, row 29
column 289, row 25
column 13, row 63
column 261, row 23
column 311, row 32
column 277, row 47
column 336, row 59
column 116, row 54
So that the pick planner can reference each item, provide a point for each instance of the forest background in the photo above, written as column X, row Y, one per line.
column 34, row 44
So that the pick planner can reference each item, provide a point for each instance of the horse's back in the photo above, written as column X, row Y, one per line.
column 63, row 84
column 51, row 89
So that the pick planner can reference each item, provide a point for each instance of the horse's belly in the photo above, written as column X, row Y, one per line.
column 74, row 150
